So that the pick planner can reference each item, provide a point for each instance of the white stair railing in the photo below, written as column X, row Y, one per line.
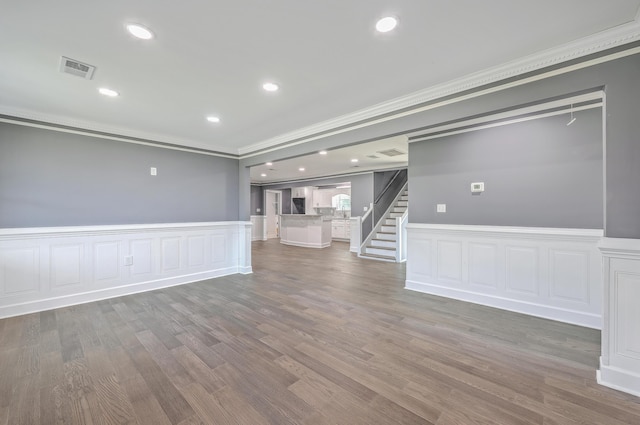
column 401, row 237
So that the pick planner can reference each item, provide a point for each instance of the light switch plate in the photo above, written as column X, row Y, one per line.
column 153, row 171
column 477, row 187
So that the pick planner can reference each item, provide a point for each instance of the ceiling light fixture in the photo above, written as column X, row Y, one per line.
column 263, row 175
column 354, row 160
column 322, row 152
column 108, row 92
column 269, row 86
column 386, row 24
column 213, row 119
column 139, row 31
column 301, row 169
column 573, row 119
column 269, row 163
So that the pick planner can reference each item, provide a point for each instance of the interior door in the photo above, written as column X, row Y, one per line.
column 273, row 209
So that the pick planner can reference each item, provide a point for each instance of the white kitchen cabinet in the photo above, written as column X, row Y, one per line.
column 299, row 192
column 340, row 229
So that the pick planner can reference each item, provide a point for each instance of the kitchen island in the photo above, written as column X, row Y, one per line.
column 307, row 230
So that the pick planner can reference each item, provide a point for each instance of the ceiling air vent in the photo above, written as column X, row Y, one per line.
column 77, row 68
column 392, row 152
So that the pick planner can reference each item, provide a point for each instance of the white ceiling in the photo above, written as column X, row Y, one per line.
column 336, row 162
column 211, row 57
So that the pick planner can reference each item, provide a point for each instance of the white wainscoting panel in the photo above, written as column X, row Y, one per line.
column 44, row 268
column 551, row 273
column 106, row 261
column 620, row 360
column 258, row 227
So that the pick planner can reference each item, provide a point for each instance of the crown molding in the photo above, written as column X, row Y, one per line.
column 93, row 129
column 608, row 39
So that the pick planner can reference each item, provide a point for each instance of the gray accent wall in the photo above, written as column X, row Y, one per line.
column 257, row 200
column 50, row 178
column 286, row 201
column 539, row 173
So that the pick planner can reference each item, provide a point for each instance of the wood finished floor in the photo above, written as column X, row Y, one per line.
column 311, row 337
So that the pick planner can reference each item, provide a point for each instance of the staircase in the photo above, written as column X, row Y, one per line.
column 382, row 246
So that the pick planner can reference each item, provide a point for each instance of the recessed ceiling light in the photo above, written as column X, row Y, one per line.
column 301, row 169
column 212, row 118
column 263, row 175
column 322, row 152
column 108, row 92
column 354, row 160
column 386, row 24
column 270, row 86
column 139, row 31
column 269, row 163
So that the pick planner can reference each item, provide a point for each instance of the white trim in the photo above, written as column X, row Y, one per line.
column 620, row 248
column 63, row 231
column 620, row 359
column 533, row 309
column 587, row 235
column 519, row 114
column 544, row 272
column 116, row 134
column 306, row 244
column 102, row 294
column 323, row 177
column 604, row 40
column 618, row 379
column 44, row 268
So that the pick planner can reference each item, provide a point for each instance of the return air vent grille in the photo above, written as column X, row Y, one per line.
column 391, row 152
column 77, row 68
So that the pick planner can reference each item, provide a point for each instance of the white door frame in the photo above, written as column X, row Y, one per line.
column 272, row 214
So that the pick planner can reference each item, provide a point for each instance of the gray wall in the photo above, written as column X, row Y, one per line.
column 361, row 189
column 380, row 181
column 50, row 178
column 621, row 80
column 257, row 200
column 286, row 201
column 537, row 173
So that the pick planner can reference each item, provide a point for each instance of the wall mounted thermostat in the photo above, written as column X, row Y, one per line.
column 477, row 187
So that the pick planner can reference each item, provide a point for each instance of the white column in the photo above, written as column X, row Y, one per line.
column 244, row 248
column 355, row 223
column 620, row 360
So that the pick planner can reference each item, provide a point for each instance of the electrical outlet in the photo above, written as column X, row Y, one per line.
column 153, row 171
column 128, row 260
column 441, row 208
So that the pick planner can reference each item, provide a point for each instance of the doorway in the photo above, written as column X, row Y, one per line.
column 273, row 209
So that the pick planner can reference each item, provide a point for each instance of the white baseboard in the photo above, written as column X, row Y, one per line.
column 306, row 244
column 102, row 294
column 550, row 273
column 46, row 268
column 539, row 310
column 619, row 379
